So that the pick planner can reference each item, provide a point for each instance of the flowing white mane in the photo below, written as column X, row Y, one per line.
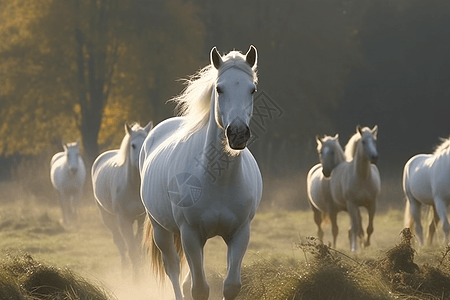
column 350, row 148
column 443, row 148
column 194, row 102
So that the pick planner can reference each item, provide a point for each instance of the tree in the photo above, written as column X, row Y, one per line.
column 79, row 68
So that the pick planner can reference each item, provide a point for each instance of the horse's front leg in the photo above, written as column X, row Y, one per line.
column 193, row 243
column 237, row 246
column 433, row 224
column 355, row 225
column 64, row 201
column 334, row 226
column 371, row 211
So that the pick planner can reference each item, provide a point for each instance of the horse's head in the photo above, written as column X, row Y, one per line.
column 369, row 142
column 234, row 90
column 137, row 135
column 72, row 152
column 330, row 153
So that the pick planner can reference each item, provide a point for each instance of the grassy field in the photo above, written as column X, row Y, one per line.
column 31, row 226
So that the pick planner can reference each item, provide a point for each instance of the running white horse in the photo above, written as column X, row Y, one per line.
column 68, row 175
column 356, row 182
column 198, row 178
column 426, row 181
column 116, row 181
column 318, row 183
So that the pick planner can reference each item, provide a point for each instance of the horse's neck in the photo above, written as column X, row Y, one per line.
column 214, row 142
column 340, row 156
column 131, row 173
column 361, row 165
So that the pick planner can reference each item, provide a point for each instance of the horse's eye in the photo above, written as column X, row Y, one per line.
column 133, row 146
column 219, row 90
column 253, row 91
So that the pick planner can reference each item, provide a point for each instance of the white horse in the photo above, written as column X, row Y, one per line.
column 68, row 175
column 318, row 183
column 426, row 181
column 356, row 182
column 198, row 178
column 116, row 181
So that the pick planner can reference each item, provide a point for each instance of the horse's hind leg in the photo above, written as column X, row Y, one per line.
column 415, row 208
column 441, row 209
column 433, row 223
column 111, row 222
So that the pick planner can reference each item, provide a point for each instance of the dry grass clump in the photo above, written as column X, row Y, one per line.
column 327, row 276
column 24, row 278
column 407, row 279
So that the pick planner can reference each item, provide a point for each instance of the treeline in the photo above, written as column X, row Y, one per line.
column 79, row 69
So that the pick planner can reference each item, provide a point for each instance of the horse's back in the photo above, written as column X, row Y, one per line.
column 157, row 136
column 318, row 188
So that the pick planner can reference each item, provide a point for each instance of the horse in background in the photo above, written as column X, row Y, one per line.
column 188, row 198
column 68, row 176
column 331, row 155
column 426, row 180
column 356, row 182
column 115, row 180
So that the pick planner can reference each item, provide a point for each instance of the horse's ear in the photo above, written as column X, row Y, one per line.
column 336, row 137
column 359, row 129
column 149, row 126
column 64, row 146
column 127, row 128
column 252, row 56
column 318, row 140
column 375, row 131
column 216, row 59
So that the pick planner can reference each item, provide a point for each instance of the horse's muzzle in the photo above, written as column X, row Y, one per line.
column 238, row 134
column 374, row 158
column 326, row 173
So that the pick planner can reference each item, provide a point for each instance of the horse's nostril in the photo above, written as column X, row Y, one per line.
column 238, row 136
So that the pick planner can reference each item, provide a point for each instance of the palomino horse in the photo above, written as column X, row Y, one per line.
column 115, row 180
column 198, row 178
column 318, row 183
column 68, row 175
column 426, row 181
column 356, row 182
